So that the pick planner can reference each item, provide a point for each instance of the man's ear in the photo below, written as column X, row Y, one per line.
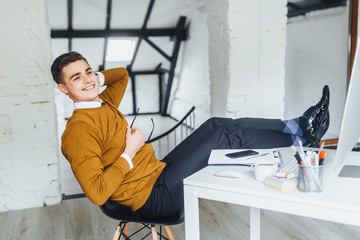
column 62, row 88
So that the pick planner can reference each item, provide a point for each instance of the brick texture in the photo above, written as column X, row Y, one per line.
column 28, row 133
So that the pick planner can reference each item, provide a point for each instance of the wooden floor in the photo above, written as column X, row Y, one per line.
column 80, row 219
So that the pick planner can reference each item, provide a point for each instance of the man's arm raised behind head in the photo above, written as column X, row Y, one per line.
column 116, row 80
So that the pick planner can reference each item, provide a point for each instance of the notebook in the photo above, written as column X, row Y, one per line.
column 217, row 156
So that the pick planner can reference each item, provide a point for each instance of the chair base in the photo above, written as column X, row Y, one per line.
column 122, row 230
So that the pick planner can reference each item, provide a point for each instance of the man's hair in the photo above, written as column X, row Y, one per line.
column 61, row 62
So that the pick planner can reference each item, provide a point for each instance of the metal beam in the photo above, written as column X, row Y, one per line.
column 143, row 29
column 133, row 90
column 108, row 14
column 176, row 34
column 158, row 49
column 305, row 6
column 107, row 27
column 141, row 36
column 149, row 10
column 180, row 35
column 160, row 82
column 160, row 69
column 141, row 33
column 70, row 14
column 146, row 72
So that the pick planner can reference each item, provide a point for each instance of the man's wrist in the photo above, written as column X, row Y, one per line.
column 128, row 159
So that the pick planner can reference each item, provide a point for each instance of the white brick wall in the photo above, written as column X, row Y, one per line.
column 241, row 73
column 219, row 54
column 28, row 136
column 260, row 65
column 257, row 32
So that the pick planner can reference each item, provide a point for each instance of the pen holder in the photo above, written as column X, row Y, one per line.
column 310, row 178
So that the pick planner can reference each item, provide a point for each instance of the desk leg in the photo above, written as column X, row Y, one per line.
column 192, row 226
column 254, row 223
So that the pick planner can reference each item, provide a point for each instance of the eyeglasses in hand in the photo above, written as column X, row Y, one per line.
column 152, row 121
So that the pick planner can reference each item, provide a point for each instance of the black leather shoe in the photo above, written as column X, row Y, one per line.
column 321, row 131
column 317, row 119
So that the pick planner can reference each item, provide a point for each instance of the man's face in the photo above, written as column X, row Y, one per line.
column 79, row 82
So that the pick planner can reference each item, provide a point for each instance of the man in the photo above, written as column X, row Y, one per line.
column 110, row 160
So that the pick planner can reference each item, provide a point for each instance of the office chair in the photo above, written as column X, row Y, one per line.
column 125, row 216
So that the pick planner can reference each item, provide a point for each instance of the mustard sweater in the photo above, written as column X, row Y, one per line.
column 93, row 141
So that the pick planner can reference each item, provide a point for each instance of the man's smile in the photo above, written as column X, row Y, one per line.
column 89, row 87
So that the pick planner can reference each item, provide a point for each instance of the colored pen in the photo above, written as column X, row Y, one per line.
column 298, row 158
column 301, row 162
column 321, row 157
column 305, row 161
column 322, row 146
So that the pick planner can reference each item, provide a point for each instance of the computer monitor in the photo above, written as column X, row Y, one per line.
column 350, row 126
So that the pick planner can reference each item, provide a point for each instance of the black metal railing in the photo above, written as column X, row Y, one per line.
column 166, row 141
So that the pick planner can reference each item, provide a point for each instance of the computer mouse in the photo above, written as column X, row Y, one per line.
column 228, row 174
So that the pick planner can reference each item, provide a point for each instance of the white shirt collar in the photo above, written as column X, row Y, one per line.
column 94, row 104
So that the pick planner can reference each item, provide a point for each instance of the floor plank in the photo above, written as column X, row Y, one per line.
column 80, row 219
column 50, row 223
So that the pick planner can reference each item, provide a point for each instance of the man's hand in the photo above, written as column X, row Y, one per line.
column 134, row 140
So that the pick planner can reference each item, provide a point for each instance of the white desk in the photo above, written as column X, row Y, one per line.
column 339, row 202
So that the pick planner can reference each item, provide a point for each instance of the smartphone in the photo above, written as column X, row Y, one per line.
column 241, row 154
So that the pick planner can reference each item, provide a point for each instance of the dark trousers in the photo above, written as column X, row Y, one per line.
column 192, row 154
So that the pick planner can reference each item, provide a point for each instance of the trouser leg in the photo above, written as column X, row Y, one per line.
column 229, row 136
column 259, row 123
column 245, row 123
column 192, row 154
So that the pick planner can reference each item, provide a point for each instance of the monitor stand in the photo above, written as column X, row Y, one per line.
column 350, row 171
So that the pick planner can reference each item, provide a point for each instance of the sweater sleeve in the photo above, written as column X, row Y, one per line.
column 82, row 149
column 116, row 81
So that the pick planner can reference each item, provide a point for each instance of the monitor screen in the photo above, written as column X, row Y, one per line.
column 350, row 126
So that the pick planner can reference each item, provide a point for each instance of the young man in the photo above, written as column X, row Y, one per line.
column 110, row 160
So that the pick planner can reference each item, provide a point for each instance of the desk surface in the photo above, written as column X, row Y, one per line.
column 339, row 201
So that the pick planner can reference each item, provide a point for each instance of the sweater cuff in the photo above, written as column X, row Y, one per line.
column 128, row 159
